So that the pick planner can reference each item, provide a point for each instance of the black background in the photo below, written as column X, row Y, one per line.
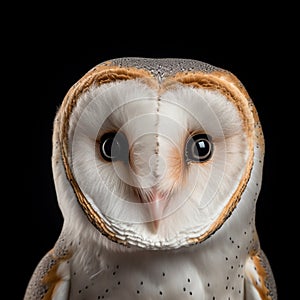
column 49, row 60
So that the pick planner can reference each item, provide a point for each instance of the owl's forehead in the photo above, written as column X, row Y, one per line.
column 116, row 93
column 144, row 106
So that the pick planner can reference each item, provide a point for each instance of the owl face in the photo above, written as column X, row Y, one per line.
column 157, row 162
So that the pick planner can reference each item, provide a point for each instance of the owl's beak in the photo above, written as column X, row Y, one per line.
column 156, row 202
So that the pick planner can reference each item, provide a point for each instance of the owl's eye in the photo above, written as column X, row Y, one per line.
column 114, row 146
column 198, row 148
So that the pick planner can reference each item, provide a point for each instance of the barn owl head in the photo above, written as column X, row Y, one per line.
column 156, row 153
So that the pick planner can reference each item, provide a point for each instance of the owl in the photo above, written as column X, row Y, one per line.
column 157, row 165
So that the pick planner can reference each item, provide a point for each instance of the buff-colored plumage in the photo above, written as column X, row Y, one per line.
column 157, row 165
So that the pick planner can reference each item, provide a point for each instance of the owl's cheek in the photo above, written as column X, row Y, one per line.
column 177, row 167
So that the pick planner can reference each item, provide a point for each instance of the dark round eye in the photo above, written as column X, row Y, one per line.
column 198, row 148
column 114, row 146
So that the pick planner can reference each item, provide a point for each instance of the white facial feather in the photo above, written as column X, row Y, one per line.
column 157, row 127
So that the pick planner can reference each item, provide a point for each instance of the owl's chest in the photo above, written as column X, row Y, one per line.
column 163, row 276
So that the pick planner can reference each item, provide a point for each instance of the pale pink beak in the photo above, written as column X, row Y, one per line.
column 156, row 202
